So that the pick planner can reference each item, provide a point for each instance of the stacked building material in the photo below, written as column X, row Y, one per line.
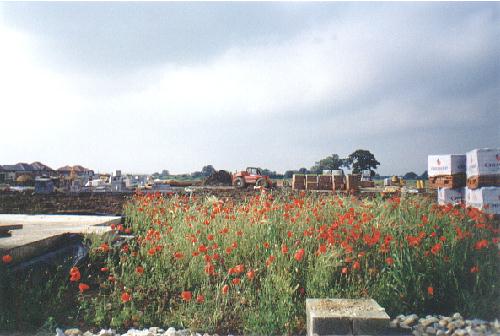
column 367, row 184
column 483, row 168
column 311, row 182
column 353, row 182
column 446, row 171
column 325, row 182
column 483, row 180
column 452, row 196
column 487, row 199
column 298, row 182
column 447, row 174
column 338, row 182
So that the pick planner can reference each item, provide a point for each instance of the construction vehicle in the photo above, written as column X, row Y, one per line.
column 251, row 176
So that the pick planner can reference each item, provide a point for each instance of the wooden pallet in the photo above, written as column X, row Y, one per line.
column 447, row 181
column 474, row 182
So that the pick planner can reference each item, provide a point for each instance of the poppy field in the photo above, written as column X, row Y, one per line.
column 247, row 266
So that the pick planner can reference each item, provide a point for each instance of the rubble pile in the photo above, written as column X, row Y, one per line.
column 219, row 178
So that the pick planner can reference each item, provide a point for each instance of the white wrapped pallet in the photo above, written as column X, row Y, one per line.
column 483, row 161
column 449, row 195
column 487, row 199
column 441, row 165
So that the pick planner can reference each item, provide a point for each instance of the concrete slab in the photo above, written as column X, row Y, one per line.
column 39, row 232
column 345, row 317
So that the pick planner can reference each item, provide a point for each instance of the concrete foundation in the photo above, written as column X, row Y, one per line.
column 40, row 232
column 345, row 317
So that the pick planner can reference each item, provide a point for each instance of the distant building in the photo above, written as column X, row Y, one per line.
column 117, row 182
column 44, row 185
column 10, row 173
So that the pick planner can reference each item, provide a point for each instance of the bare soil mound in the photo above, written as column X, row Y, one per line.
column 219, row 178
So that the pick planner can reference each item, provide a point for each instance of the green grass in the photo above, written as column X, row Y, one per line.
column 270, row 252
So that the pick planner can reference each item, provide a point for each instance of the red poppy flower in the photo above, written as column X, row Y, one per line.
column 74, row 273
column 139, row 270
column 104, row 247
column 430, row 291
column 299, row 255
column 152, row 251
column 481, row 244
column 178, row 255
column 344, row 270
column 83, row 287
column 284, row 249
column 126, row 297
column 474, row 269
column 200, row 298
column 236, row 281
column 436, row 248
column 104, row 269
column 251, row 274
column 238, row 269
column 389, row 261
column 225, row 289
column 186, row 296
column 356, row 265
column 6, row 259
column 209, row 269
column 266, row 245
column 210, row 237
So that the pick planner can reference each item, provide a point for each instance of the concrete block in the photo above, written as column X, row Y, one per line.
column 345, row 317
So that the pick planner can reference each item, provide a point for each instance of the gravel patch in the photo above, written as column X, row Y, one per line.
column 430, row 325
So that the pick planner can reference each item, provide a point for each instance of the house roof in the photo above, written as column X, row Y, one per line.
column 76, row 168
column 37, row 165
column 18, row 167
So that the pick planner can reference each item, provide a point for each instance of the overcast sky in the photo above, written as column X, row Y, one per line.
column 149, row 86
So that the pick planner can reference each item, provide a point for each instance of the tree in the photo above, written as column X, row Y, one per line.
column 165, row 172
column 196, row 174
column 268, row 172
column 331, row 162
column 424, row 175
column 410, row 176
column 289, row 173
column 362, row 159
column 207, row 170
column 303, row 171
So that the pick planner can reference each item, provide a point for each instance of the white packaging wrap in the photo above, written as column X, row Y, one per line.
column 449, row 195
column 450, row 164
column 487, row 199
column 482, row 162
